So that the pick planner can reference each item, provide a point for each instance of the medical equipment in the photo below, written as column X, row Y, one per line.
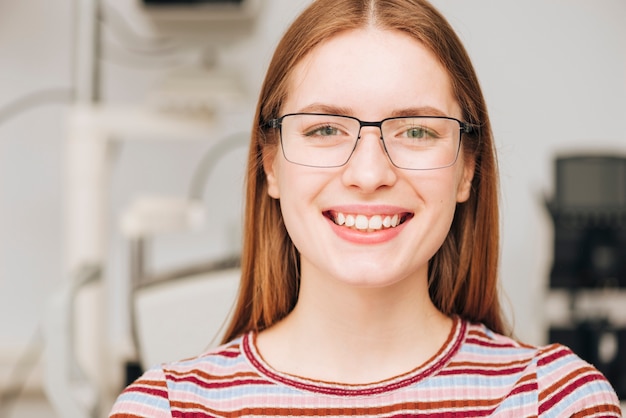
column 588, row 276
column 83, row 366
column 179, row 313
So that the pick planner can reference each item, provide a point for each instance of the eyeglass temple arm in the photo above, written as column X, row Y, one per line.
column 466, row 128
column 273, row 123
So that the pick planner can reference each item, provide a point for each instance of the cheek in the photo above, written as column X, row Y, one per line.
column 287, row 184
column 299, row 213
column 434, row 187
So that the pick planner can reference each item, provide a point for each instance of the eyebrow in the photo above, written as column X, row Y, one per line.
column 346, row 111
column 323, row 108
column 419, row 111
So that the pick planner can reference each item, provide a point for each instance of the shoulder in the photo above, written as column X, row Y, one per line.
column 565, row 385
column 215, row 361
column 154, row 393
column 569, row 385
column 146, row 397
column 481, row 340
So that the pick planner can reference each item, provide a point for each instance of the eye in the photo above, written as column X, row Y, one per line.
column 326, row 130
column 421, row 132
column 418, row 132
column 414, row 129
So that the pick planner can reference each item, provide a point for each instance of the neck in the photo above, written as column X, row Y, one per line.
column 336, row 328
column 387, row 312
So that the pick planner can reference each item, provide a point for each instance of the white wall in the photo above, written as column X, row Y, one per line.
column 554, row 75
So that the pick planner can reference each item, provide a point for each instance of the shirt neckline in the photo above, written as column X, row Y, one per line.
column 430, row 367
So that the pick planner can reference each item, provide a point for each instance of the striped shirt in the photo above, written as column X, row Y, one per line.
column 476, row 373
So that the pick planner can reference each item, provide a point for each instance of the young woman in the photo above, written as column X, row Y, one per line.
column 369, row 271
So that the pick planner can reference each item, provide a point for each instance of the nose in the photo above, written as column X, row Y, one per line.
column 369, row 167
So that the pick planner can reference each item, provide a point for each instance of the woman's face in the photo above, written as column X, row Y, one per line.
column 370, row 74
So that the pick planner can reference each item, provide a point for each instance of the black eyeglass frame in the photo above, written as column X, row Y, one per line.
column 464, row 128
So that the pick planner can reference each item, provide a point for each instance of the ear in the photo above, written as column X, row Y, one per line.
column 464, row 186
column 271, row 171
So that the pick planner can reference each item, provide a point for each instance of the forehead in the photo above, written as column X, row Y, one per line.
column 372, row 73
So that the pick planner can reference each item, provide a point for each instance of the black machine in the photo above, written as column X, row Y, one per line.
column 589, row 216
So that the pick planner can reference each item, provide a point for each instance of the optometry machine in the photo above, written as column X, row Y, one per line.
column 199, row 101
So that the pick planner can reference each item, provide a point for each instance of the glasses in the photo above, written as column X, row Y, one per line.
column 411, row 142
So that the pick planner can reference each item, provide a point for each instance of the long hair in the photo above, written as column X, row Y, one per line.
column 463, row 274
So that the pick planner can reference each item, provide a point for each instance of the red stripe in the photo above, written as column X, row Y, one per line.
column 448, row 414
column 483, row 372
column 525, row 388
column 563, row 352
column 229, row 354
column 219, row 384
column 567, row 390
column 489, row 343
column 196, row 414
column 150, row 391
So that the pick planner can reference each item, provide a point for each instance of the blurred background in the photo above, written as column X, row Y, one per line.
column 122, row 144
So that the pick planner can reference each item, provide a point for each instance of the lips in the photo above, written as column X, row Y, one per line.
column 367, row 223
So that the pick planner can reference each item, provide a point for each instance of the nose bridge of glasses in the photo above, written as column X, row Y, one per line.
column 372, row 126
column 365, row 124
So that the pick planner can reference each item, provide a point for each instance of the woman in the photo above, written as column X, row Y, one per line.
column 369, row 271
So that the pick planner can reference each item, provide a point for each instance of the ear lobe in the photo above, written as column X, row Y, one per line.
column 271, row 174
column 465, row 183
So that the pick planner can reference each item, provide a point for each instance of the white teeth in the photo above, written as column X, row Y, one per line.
column 363, row 223
column 376, row 222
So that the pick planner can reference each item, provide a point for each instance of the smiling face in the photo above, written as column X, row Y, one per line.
column 368, row 223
